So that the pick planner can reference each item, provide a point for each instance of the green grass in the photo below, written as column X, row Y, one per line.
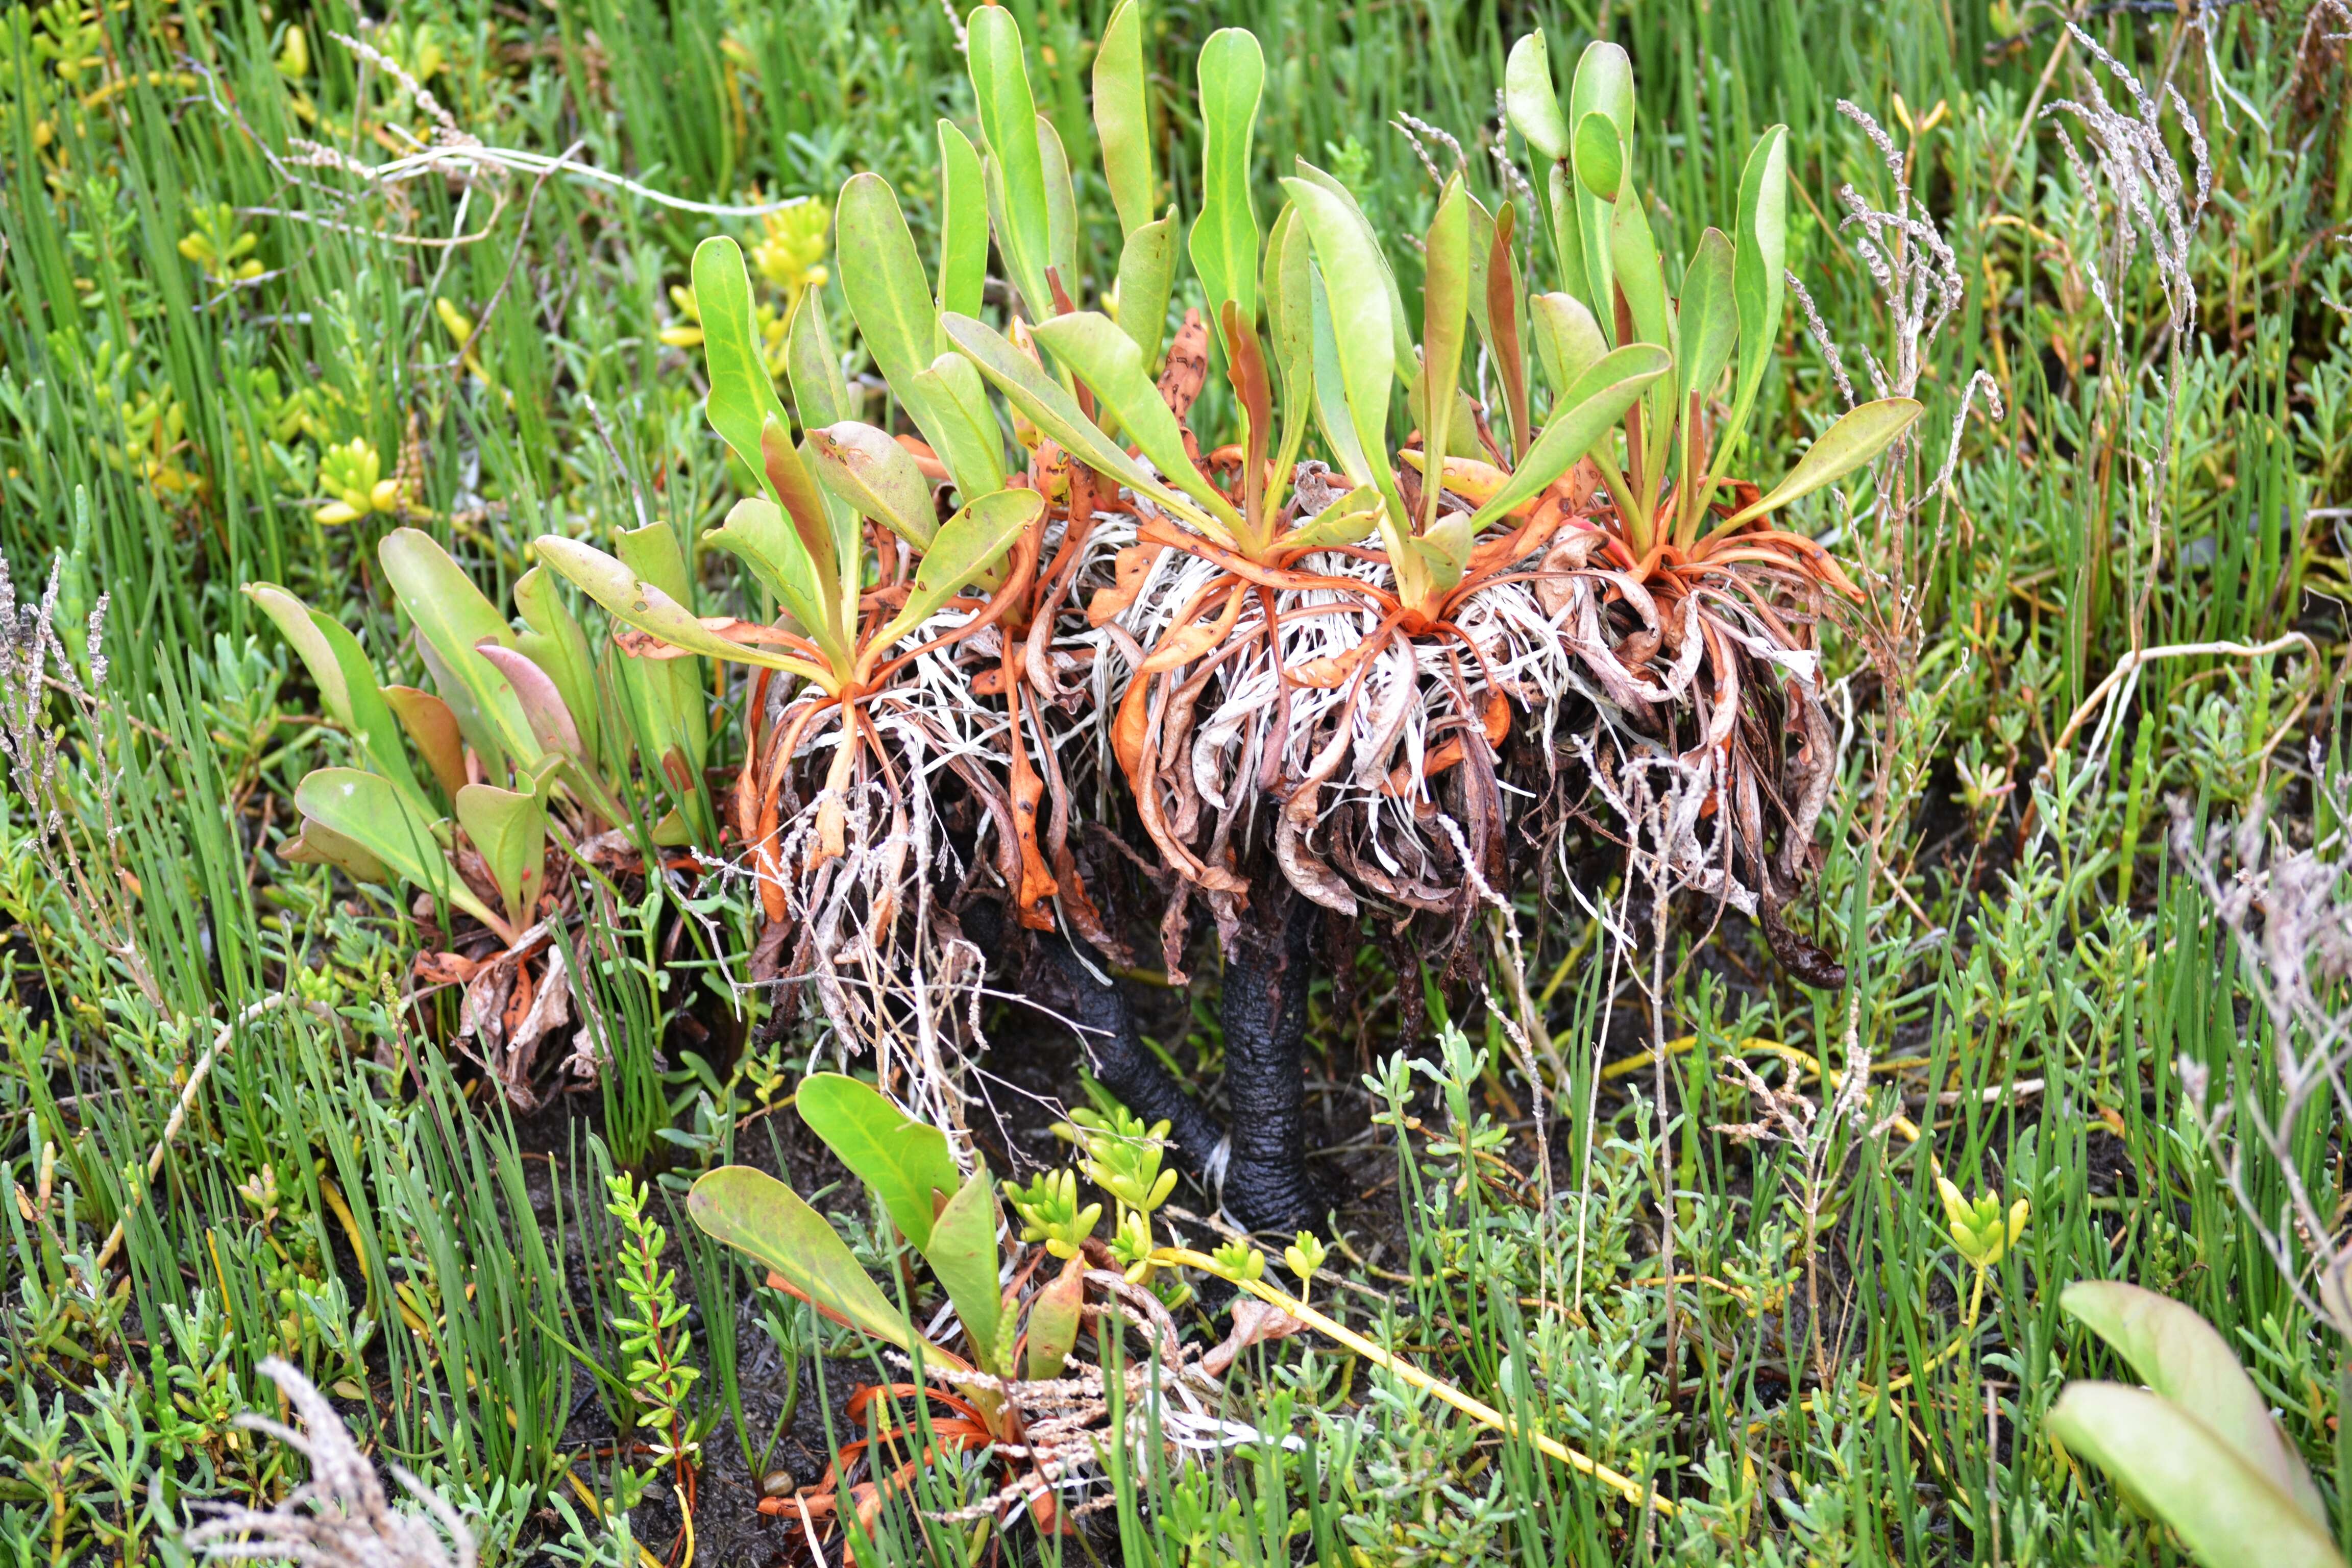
column 2030, row 969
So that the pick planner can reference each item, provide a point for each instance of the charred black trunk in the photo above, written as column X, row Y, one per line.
column 1116, row 1055
column 1268, row 969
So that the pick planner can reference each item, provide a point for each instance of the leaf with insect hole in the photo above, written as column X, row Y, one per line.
column 969, row 546
column 874, row 475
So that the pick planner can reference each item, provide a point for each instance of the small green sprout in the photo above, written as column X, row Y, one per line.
column 1049, row 1212
column 351, row 473
column 1123, row 1156
column 216, row 245
column 1131, row 1245
column 1980, row 1230
column 1241, row 1260
column 1304, row 1258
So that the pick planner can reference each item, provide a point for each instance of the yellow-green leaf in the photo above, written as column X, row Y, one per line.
column 1224, row 241
column 967, row 545
column 1582, row 418
column 758, row 1215
column 1529, row 101
column 1108, row 360
column 1853, row 440
column 963, row 224
column 1123, row 122
column 904, row 1161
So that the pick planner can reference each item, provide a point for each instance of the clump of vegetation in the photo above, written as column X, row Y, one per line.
column 891, row 786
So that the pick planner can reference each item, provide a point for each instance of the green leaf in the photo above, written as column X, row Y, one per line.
column 367, row 809
column 1290, row 319
column 452, row 617
column 952, row 406
column 2230, row 1513
column 969, row 546
column 1331, row 415
column 641, row 605
column 876, row 476
column 1568, row 339
column 1853, row 440
column 1445, row 303
column 1707, row 323
column 885, row 289
column 757, row 533
column 1123, row 125
column 741, row 397
column 1044, row 403
column 904, row 1161
column 318, row 844
column 1600, row 156
column 671, row 688
column 1634, row 262
column 825, row 559
column 509, row 830
column 1582, row 418
column 963, row 1255
column 2181, row 1355
column 1008, row 119
column 1758, row 270
column 812, row 364
column 293, row 620
column 1107, row 360
column 758, row 1215
column 1061, row 214
column 1224, row 243
column 1350, row 267
column 1147, row 272
column 964, row 226
column 1567, row 235
column 1403, row 363
column 346, row 684
column 1531, row 102
column 1054, row 1316
column 1603, row 83
column 559, row 645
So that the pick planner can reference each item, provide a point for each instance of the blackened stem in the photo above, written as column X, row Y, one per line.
column 1116, row 1056
column 1268, row 969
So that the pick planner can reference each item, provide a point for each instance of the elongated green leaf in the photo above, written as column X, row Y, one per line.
column 1290, row 318
column 1603, row 83
column 293, row 620
column 367, row 809
column 1224, row 243
column 1123, row 123
column 2179, row 1355
column 969, row 546
column 644, row 606
column 1567, row 235
column 1600, row 156
column 672, row 715
column 757, row 533
column 1758, row 270
column 1568, row 339
column 1061, row 212
column 963, row 1255
column 790, row 481
column 884, row 286
column 741, row 396
column 1531, row 102
column 1708, row 324
column 874, row 474
column 1008, row 120
column 1043, row 402
column 1351, row 268
column 1634, row 262
column 1580, row 420
column 2230, row 1513
column 951, row 403
column 1107, row 360
column 559, row 645
column 758, row 1215
column 812, row 364
column 452, row 617
column 1853, row 440
column 509, row 830
column 1445, row 303
column 1331, row 415
column 904, row 1161
column 1403, row 363
column 963, row 225
column 1147, row 272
